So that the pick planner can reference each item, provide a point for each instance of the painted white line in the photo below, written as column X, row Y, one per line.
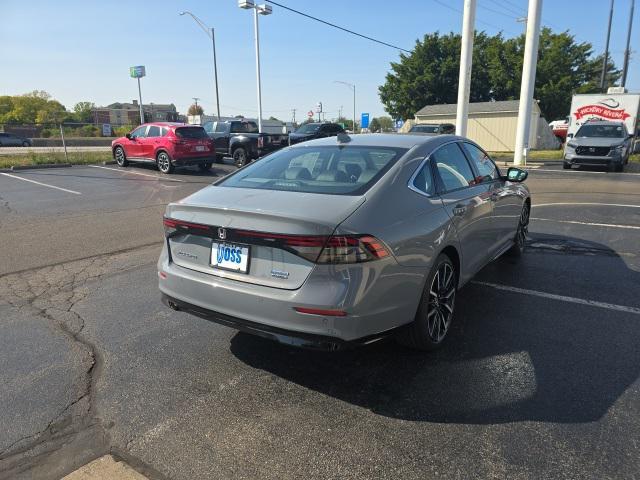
column 591, row 224
column 585, row 172
column 586, row 203
column 40, row 183
column 138, row 173
column 561, row 298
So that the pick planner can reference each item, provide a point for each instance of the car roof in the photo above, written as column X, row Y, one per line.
column 169, row 124
column 397, row 140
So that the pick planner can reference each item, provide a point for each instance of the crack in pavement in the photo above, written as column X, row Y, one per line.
column 52, row 293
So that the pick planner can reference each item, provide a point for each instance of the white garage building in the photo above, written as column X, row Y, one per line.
column 491, row 124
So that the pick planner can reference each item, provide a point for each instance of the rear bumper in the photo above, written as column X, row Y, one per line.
column 209, row 158
column 377, row 299
column 287, row 337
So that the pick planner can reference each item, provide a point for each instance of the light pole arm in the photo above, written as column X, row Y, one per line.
column 200, row 23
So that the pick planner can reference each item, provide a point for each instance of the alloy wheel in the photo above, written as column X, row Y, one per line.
column 442, row 294
column 119, row 154
column 523, row 227
column 164, row 164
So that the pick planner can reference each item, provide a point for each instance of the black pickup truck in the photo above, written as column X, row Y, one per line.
column 240, row 140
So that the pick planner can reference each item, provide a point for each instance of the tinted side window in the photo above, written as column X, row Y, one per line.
column 139, row 132
column 453, row 168
column 485, row 166
column 154, row 131
column 336, row 128
column 423, row 181
column 163, row 131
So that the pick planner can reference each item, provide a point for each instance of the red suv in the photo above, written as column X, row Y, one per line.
column 168, row 145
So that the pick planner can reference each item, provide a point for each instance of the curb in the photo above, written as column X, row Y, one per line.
column 110, row 162
column 44, row 165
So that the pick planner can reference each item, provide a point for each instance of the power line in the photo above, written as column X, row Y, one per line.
column 496, row 11
column 477, row 20
column 338, row 27
column 516, row 11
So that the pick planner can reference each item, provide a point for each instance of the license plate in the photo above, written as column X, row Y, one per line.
column 230, row 257
column 200, row 148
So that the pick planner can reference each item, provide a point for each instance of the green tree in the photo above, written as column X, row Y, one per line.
column 274, row 119
column 347, row 122
column 374, row 125
column 84, row 111
column 386, row 124
column 429, row 75
column 195, row 110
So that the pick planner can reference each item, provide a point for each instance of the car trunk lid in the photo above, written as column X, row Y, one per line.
column 242, row 217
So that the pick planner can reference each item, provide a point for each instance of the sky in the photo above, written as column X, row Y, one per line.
column 81, row 50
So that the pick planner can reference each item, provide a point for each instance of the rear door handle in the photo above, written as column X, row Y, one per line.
column 459, row 210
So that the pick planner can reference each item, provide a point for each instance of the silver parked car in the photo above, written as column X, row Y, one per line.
column 343, row 240
column 599, row 143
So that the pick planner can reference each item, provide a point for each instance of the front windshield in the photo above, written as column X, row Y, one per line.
column 333, row 170
column 425, row 128
column 601, row 131
column 308, row 128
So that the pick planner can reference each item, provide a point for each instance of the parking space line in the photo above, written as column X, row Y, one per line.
column 591, row 224
column 40, row 183
column 585, row 172
column 561, row 298
column 585, row 203
column 138, row 173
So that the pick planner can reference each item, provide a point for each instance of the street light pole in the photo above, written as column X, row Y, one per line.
column 605, row 60
column 527, row 84
column 627, row 52
column 464, row 76
column 140, row 97
column 353, row 87
column 257, row 10
column 256, row 38
column 212, row 35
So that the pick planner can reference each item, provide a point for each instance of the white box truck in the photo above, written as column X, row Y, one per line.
column 617, row 107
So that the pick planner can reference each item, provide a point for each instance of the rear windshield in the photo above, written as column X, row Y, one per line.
column 425, row 128
column 308, row 128
column 191, row 132
column 606, row 131
column 333, row 170
column 244, row 127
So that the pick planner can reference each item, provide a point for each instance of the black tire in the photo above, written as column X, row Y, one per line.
column 436, row 310
column 619, row 167
column 219, row 158
column 120, row 156
column 566, row 166
column 26, row 144
column 240, row 158
column 520, row 240
column 204, row 167
column 163, row 161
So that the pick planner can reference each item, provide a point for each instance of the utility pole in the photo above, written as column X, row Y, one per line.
column 528, row 82
column 340, row 112
column 627, row 52
column 605, row 60
column 466, row 57
column 195, row 99
column 293, row 111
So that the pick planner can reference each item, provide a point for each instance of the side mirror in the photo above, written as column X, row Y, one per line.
column 570, row 135
column 517, row 174
column 128, row 135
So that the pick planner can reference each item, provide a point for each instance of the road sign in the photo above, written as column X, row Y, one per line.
column 106, row 129
column 137, row 72
column 310, row 113
column 364, row 120
column 399, row 123
column 319, row 107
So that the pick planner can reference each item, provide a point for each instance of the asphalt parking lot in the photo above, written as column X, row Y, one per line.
column 539, row 379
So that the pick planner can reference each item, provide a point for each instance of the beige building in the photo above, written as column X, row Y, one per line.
column 491, row 124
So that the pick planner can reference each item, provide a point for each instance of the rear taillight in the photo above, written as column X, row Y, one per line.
column 336, row 249
column 171, row 225
column 177, row 141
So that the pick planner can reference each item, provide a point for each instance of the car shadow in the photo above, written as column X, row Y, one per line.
column 509, row 357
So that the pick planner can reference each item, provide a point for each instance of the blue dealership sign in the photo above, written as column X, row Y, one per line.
column 364, row 120
column 399, row 123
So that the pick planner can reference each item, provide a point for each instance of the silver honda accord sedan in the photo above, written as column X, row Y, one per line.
column 344, row 240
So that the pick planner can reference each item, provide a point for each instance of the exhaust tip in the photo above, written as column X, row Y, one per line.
column 173, row 306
